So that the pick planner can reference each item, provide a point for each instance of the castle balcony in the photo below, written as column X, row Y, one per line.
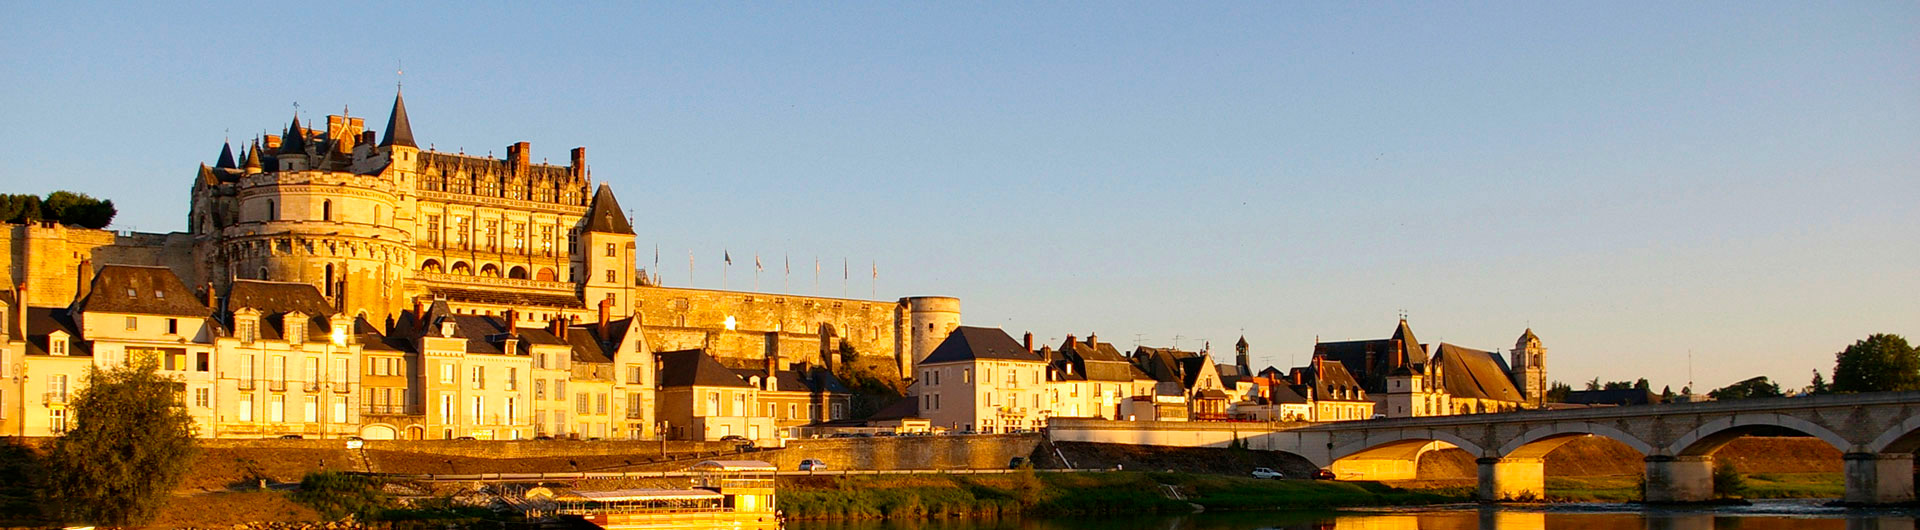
column 501, row 202
column 463, row 280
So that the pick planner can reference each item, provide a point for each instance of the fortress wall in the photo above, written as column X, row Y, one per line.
column 680, row 318
column 46, row 256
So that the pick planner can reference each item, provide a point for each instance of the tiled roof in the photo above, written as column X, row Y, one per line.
column 968, row 343
column 605, row 216
column 1472, row 373
column 141, row 290
column 686, row 368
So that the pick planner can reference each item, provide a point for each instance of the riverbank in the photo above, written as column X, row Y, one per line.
column 1066, row 494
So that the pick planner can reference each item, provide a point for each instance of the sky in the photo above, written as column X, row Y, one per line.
column 1703, row 191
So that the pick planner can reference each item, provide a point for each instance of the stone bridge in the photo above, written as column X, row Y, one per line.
column 1878, row 433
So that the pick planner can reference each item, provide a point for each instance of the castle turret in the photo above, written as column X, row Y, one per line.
column 606, row 253
column 928, row 320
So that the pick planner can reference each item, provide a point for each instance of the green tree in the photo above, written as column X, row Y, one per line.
column 1880, row 363
column 1819, row 384
column 77, row 209
column 1557, row 392
column 337, row 495
column 1758, row 387
column 1594, row 384
column 19, row 208
column 131, row 443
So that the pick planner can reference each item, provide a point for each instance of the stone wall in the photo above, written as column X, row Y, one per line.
column 484, row 448
column 47, row 257
column 679, row 318
column 908, row 452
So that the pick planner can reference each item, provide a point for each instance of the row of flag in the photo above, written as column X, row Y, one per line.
column 726, row 257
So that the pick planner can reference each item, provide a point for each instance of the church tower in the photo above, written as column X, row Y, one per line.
column 1240, row 356
column 1529, row 365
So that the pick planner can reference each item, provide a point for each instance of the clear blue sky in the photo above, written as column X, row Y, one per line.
column 1633, row 180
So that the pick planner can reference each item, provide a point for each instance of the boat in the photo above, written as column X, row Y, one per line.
column 731, row 494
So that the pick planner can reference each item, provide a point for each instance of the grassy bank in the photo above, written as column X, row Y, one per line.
column 1626, row 488
column 1058, row 494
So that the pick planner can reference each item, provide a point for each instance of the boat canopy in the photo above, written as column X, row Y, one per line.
column 734, row 465
column 634, row 495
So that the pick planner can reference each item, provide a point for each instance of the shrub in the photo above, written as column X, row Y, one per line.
column 1727, row 481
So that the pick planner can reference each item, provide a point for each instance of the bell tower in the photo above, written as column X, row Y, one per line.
column 1528, row 361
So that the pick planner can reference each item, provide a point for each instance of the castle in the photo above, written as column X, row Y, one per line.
column 395, row 239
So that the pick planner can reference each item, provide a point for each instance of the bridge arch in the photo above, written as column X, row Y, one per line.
column 1710, row 436
column 1903, row 437
column 1374, row 441
column 1538, row 442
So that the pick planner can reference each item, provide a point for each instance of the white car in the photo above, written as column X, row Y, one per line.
column 1264, row 473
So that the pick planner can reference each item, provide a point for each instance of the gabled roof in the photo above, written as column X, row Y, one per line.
column 1098, row 361
column 399, row 130
column 1327, row 378
column 968, row 343
column 687, row 368
column 605, row 216
column 43, row 321
column 277, row 297
column 141, row 290
column 1472, row 373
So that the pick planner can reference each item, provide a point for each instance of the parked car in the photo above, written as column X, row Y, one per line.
column 813, row 464
column 1265, row 473
column 1323, row 474
column 291, row 437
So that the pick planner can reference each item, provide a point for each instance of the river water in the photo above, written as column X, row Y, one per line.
column 1769, row 515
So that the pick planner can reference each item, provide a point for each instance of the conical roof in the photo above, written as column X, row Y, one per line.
column 399, row 130
column 605, row 216
column 1408, row 345
column 253, row 156
column 295, row 142
column 226, row 157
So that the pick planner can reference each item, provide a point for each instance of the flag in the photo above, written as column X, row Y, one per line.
column 656, row 256
column 845, row 273
column 876, row 270
column 789, row 261
column 756, row 263
column 727, row 256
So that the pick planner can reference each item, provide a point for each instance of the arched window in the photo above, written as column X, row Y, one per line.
column 329, row 289
column 545, row 274
column 517, row 273
column 490, row 271
column 432, row 265
column 273, row 211
column 461, row 267
column 326, row 210
column 263, row 273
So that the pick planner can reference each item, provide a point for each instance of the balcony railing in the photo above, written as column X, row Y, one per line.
column 245, row 384
column 277, row 386
column 388, row 410
column 310, row 387
column 342, row 388
column 56, row 398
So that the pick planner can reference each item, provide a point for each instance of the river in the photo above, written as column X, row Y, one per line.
column 1767, row 515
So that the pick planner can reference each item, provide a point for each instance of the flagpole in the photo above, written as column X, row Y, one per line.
column 786, row 279
column 689, row 268
column 873, row 290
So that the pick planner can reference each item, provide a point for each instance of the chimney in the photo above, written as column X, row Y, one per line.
column 513, row 322
column 773, row 365
column 558, row 327
column 333, row 127
column 85, row 279
column 606, row 306
column 367, row 137
column 1029, row 342
column 273, row 142
column 579, row 167
column 517, row 157
column 211, row 306
column 1093, row 340
column 20, row 307
column 356, row 126
column 1070, row 341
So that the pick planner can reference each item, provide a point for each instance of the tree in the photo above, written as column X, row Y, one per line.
column 1880, row 363
column 77, row 209
column 1819, row 384
column 1758, row 387
column 1557, row 392
column 1666, row 393
column 1643, row 385
column 131, row 443
column 1594, row 384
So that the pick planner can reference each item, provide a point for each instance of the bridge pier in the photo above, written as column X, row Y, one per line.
column 1679, row 478
column 1879, row 478
column 1512, row 478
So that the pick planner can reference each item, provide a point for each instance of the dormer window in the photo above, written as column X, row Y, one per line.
column 132, row 293
column 159, row 293
column 58, row 343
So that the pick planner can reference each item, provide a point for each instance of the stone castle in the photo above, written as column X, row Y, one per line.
column 340, row 281
column 379, row 224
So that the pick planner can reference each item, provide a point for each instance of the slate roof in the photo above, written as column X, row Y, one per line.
column 371, row 339
column 274, row 300
column 1281, row 392
column 295, row 141
column 968, row 343
column 399, row 130
column 1353, row 355
column 41, row 323
column 605, row 216
column 1473, row 373
column 226, row 156
column 793, row 379
column 1326, row 377
column 899, row 410
column 141, row 290
column 687, row 368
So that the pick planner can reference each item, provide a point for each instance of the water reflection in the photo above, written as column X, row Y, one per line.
column 1765, row 516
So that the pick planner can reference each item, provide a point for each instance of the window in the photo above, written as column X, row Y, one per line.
column 246, row 370
column 311, row 408
column 277, row 369
column 713, row 404
column 57, row 420
column 433, row 230
column 546, row 240
column 339, row 408
column 600, row 404
column 610, row 277
column 60, row 347
column 792, row 410
column 57, row 387
column 966, row 375
column 202, row 397
column 133, row 323
column 512, row 408
column 610, row 251
column 173, row 325
column 277, row 409
column 340, row 370
column 446, row 407
column 480, row 377
column 513, row 378
column 739, row 405
column 582, row 404
column 446, row 372
column 312, row 373
column 839, row 410
column 273, row 212
column 326, row 210
column 203, row 362
column 479, row 408
column 634, row 375
column 246, row 330
column 635, row 407
column 559, row 389
column 540, row 361
column 246, row 407
column 539, row 389
column 1013, row 378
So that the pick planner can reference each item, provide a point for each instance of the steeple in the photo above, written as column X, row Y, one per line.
column 605, row 216
column 1410, row 350
column 226, row 157
column 253, row 158
column 399, row 131
column 295, row 142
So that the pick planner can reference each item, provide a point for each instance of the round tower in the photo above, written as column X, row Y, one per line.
column 928, row 320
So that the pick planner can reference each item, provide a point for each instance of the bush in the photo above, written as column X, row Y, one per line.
column 338, row 495
column 1727, row 481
